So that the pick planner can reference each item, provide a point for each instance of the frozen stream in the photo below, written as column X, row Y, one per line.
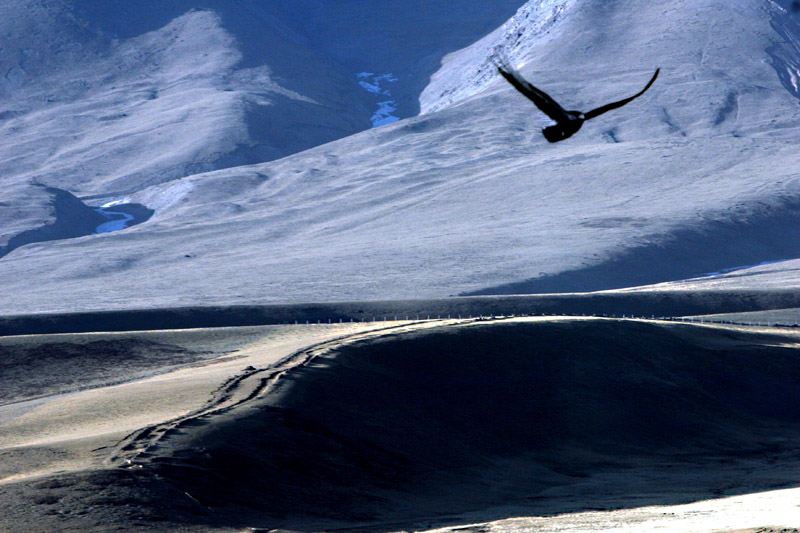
column 375, row 83
column 118, row 217
column 117, row 220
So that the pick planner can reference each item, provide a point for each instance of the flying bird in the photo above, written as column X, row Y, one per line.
column 567, row 122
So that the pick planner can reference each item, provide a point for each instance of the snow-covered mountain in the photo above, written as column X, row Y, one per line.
column 698, row 175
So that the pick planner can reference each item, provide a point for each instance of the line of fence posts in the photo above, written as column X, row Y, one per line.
column 459, row 316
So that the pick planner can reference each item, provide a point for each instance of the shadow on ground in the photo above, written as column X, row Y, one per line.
column 715, row 246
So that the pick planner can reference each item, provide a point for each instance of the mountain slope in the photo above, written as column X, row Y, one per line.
column 104, row 99
column 99, row 116
column 469, row 195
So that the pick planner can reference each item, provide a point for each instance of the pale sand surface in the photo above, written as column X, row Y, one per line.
column 767, row 512
column 39, row 366
column 68, row 432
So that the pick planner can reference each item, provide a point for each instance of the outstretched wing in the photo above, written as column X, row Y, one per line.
column 608, row 107
column 542, row 100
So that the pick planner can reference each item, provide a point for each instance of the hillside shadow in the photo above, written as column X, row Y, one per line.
column 419, row 429
column 72, row 219
column 407, row 39
column 713, row 247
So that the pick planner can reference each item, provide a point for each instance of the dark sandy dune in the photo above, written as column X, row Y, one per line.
column 413, row 429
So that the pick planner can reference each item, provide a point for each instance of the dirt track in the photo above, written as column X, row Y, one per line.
column 239, row 389
column 120, row 422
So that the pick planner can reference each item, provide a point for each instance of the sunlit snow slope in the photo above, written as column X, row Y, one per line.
column 698, row 175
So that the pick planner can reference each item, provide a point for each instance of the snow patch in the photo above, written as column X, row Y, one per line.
column 112, row 203
column 164, row 196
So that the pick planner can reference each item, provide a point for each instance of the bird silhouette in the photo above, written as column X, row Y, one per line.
column 567, row 122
